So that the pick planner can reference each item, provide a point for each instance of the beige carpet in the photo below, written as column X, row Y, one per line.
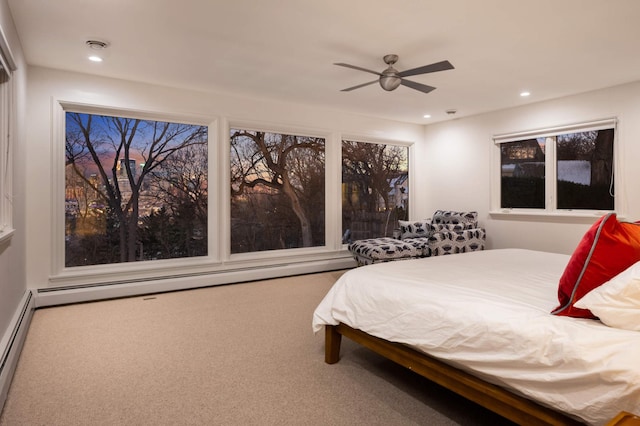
column 228, row 355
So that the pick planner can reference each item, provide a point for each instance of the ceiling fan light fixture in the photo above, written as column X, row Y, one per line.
column 389, row 82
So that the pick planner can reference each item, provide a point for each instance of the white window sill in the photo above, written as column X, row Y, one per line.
column 567, row 216
column 6, row 234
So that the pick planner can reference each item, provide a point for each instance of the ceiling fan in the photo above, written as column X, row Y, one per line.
column 390, row 78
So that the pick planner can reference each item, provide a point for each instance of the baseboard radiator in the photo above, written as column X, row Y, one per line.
column 11, row 343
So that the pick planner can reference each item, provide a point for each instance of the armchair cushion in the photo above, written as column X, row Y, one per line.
column 414, row 229
column 385, row 249
column 469, row 220
column 421, row 243
column 453, row 227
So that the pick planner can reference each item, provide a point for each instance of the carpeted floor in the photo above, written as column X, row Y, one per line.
column 228, row 355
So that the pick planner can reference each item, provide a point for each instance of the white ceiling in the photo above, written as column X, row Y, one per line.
column 285, row 49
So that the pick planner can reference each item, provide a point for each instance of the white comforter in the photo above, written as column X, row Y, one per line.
column 488, row 313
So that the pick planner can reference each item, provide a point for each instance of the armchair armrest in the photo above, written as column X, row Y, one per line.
column 450, row 242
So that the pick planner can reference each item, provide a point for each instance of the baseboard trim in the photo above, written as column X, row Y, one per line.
column 54, row 296
column 11, row 344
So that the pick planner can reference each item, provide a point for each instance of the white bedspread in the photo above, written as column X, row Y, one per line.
column 488, row 313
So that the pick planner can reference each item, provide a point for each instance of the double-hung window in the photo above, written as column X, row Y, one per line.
column 564, row 170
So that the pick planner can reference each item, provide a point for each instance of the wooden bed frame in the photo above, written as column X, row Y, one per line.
column 507, row 404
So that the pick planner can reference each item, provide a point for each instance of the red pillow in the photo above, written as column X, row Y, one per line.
column 608, row 248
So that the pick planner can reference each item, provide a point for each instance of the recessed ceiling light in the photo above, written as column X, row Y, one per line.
column 97, row 44
column 98, row 49
column 427, row 116
column 524, row 94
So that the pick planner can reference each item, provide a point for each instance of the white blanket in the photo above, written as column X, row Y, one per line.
column 487, row 312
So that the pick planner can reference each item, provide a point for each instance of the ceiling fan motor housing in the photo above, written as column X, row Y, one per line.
column 389, row 79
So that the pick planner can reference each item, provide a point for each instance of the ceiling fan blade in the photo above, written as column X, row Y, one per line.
column 418, row 86
column 348, row 89
column 438, row 66
column 357, row 68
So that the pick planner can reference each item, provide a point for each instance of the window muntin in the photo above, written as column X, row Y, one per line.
column 564, row 169
column 134, row 189
column 277, row 191
column 375, row 189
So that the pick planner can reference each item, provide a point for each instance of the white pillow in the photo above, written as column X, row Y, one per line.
column 616, row 302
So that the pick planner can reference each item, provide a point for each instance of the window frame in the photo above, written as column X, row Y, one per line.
column 550, row 209
column 219, row 265
column 143, row 270
column 7, row 137
column 266, row 255
column 410, row 165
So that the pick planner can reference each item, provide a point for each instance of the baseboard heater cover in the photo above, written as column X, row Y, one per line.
column 61, row 295
column 12, row 343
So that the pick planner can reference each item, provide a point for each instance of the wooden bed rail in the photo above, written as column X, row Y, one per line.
column 507, row 404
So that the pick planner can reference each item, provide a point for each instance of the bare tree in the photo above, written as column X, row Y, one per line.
column 111, row 144
column 372, row 167
column 576, row 146
column 270, row 160
column 181, row 187
column 602, row 158
column 595, row 146
column 183, row 180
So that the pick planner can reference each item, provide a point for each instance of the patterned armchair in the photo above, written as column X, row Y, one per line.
column 455, row 232
column 447, row 232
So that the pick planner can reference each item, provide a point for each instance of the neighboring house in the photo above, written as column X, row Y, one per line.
column 399, row 194
column 576, row 171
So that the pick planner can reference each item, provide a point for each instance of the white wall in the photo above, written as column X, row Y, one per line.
column 12, row 253
column 457, row 159
column 452, row 167
column 46, row 86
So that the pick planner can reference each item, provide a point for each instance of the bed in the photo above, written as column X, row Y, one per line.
column 480, row 324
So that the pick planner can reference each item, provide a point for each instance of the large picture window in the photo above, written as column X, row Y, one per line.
column 135, row 190
column 277, row 191
column 560, row 170
column 375, row 189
